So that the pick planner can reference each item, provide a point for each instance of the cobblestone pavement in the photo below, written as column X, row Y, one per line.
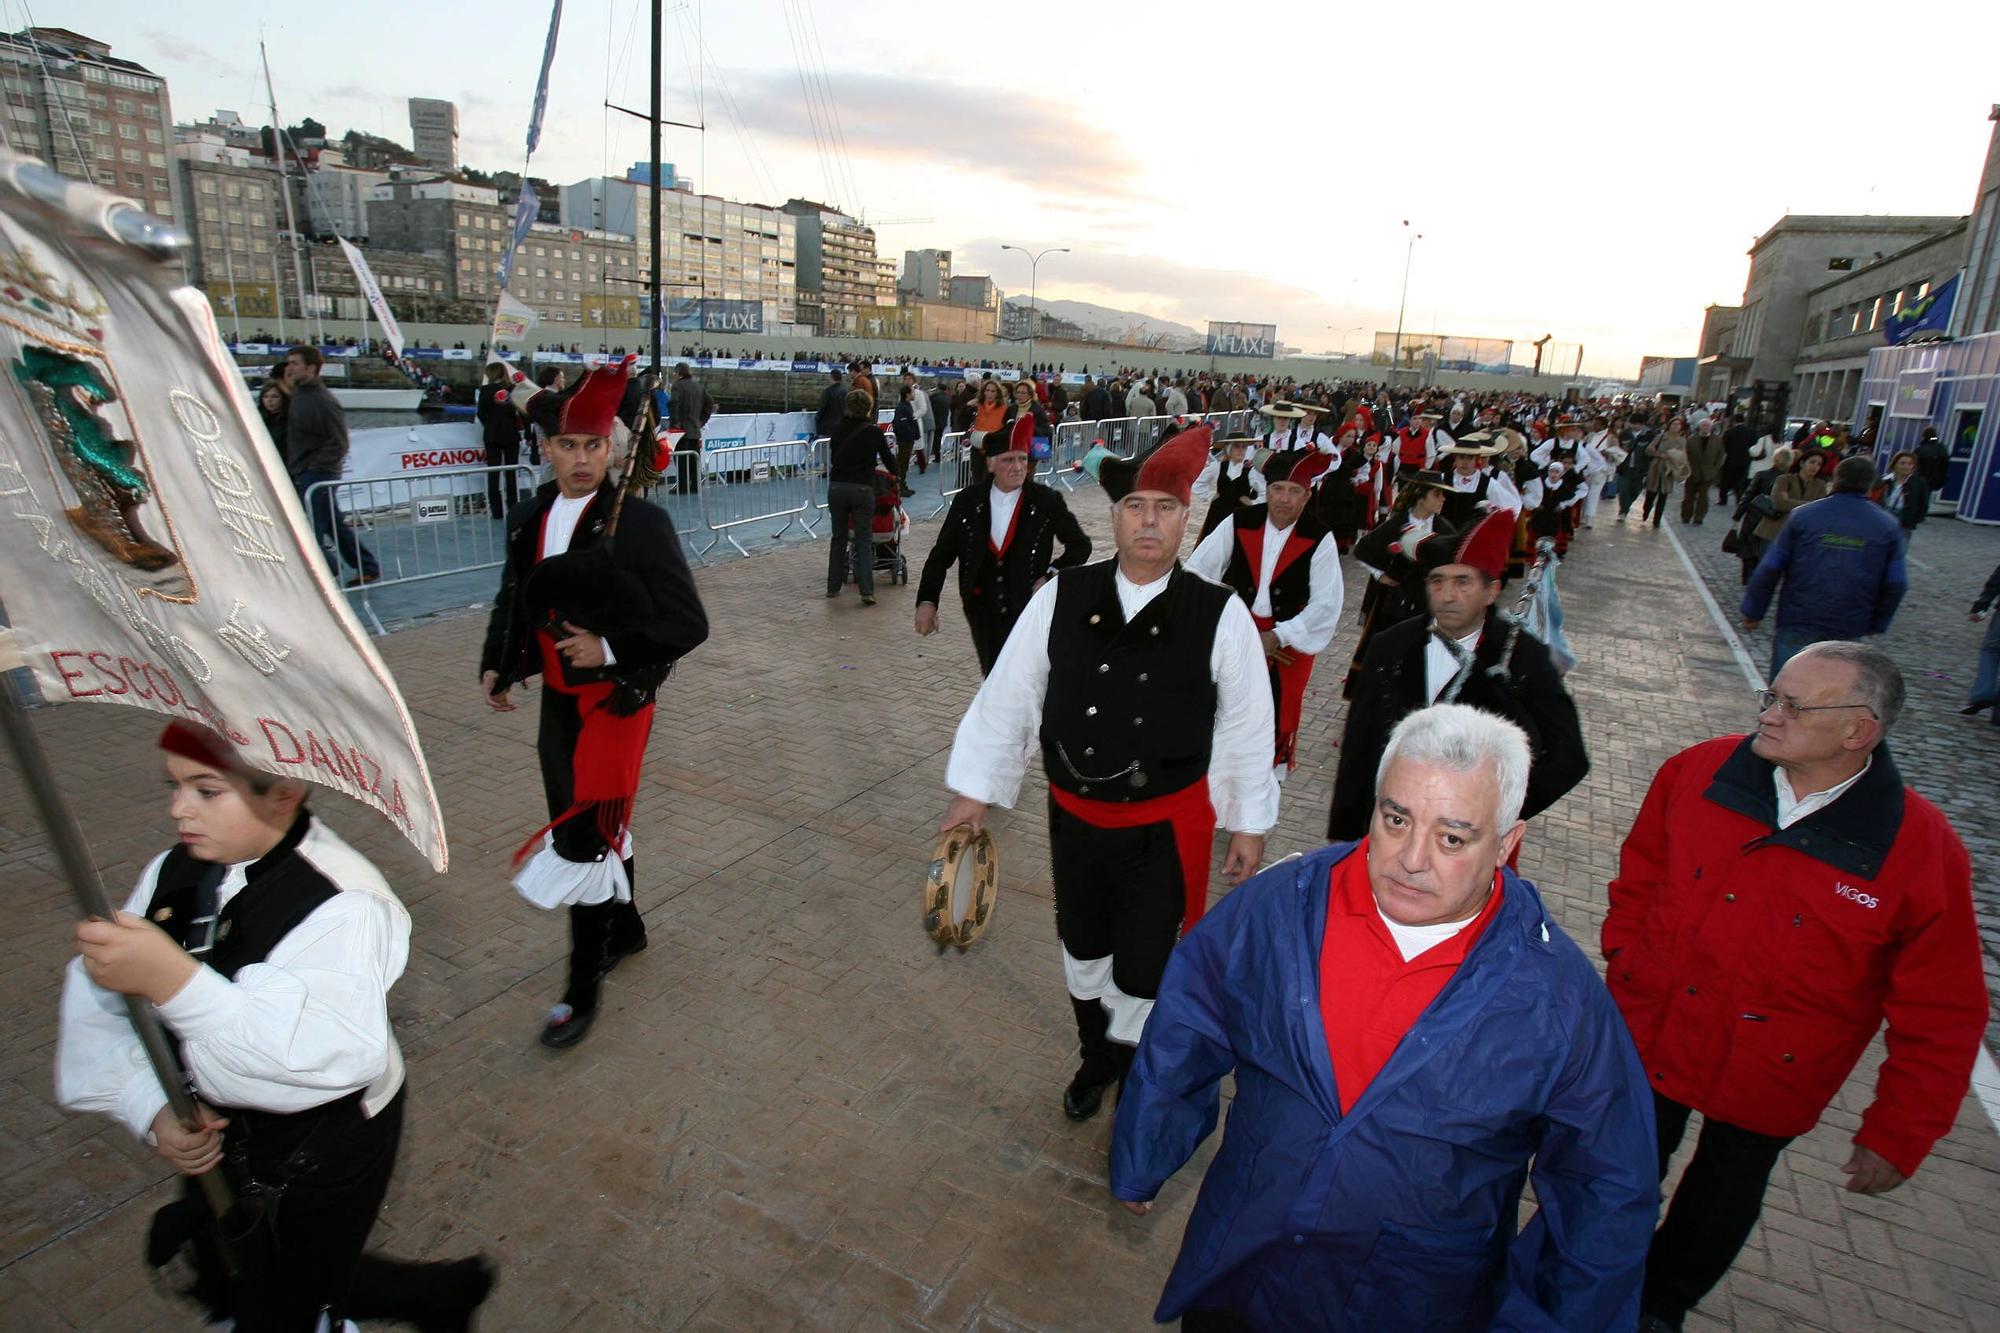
column 1953, row 760
column 793, row 1112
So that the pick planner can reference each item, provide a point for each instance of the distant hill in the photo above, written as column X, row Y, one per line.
column 1111, row 325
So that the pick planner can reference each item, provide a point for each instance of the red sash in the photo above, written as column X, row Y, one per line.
column 609, row 748
column 1288, row 691
column 1188, row 810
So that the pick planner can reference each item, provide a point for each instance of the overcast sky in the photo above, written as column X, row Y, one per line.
column 1573, row 170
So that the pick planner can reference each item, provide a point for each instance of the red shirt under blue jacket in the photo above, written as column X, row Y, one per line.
column 1399, row 1211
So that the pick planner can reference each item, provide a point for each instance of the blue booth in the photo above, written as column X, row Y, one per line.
column 1953, row 387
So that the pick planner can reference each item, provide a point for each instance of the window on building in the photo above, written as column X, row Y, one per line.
column 160, row 185
column 132, row 155
column 232, row 189
column 156, row 159
column 153, row 136
column 540, row 253
column 254, row 193
column 125, row 106
column 105, row 152
column 1875, row 313
column 100, row 126
column 207, row 185
column 128, row 131
column 211, row 215
column 1923, row 289
column 1843, row 264
column 164, row 207
column 541, row 272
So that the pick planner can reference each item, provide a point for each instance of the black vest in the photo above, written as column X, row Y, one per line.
column 282, row 891
column 1462, row 507
column 1291, row 587
column 1130, row 709
column 1229, row 493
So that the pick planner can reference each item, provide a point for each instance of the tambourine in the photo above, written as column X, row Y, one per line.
column 953, row 846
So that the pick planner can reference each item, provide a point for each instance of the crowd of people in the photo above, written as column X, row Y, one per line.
column 1412, row 1034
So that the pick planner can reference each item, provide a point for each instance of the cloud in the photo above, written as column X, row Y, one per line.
column 1165, row 287
column 998, row 132
column 183, row 52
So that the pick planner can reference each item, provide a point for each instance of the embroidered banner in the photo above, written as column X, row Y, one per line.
column 152, row 548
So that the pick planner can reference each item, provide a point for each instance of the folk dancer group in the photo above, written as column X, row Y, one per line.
column 1398, row 1009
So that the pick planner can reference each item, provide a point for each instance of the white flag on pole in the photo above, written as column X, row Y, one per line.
column 512, row 320
column 373, row 291
column 153, row 551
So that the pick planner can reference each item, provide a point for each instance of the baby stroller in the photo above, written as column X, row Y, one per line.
column 890, row 525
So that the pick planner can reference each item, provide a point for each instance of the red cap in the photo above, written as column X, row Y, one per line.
column 1020, row 438
column 593, row 406
column 201, row 745
column 1171, row 465
column 1311, row 468
column 1487, row 544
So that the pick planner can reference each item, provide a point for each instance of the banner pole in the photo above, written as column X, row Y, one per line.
column 80, row 869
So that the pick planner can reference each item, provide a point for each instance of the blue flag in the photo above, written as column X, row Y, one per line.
column 526, row 210
column 1925, row 320
column 542, row 85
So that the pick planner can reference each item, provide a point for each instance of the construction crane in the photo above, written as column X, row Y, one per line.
column 892, row 222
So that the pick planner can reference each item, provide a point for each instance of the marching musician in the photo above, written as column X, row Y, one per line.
column 1146, row 689
column 602, row 621
column 1001, row 532
column 1281, row 560
column 1466, row 652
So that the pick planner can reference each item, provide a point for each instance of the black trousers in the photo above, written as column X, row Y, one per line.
column 311, row 1256
column 989, row 635
column 503, row 489
column 687, row 469
column 1712, row 1212
column 599, row 929
column 1119, row 895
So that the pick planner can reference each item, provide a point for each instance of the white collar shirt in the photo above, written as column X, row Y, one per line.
column 1001, row 513
column 1439, row 664
column 1791, row 809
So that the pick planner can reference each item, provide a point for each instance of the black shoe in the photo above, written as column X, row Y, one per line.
column 456, row 1293
column 617, row 953
column 566, row 1026
column 1084, row 1096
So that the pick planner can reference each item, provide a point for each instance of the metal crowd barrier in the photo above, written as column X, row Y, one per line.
column 422, row 525
column 755, row 483
column 1120, row 435
column 1072, row 440
column 954, row 452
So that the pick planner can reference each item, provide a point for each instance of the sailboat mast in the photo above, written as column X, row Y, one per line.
column 285, row 193
column 659, row 311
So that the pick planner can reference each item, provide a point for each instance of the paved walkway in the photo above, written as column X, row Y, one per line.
column 794, row 1112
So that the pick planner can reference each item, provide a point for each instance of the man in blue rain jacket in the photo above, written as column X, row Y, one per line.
column 1410, row 1032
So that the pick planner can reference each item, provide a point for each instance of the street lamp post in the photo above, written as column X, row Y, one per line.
column 1034, row 314
column 1396, row 358
column 1343, row 339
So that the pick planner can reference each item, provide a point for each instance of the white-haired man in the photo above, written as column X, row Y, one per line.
column 1411, row 1034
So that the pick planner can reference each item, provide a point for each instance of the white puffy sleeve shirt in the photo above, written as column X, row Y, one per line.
column 999, row 732
column 307, row 1025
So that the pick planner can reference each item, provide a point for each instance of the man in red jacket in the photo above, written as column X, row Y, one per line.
column 1780, row 897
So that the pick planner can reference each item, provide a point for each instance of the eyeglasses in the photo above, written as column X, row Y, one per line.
column 1767, row 699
